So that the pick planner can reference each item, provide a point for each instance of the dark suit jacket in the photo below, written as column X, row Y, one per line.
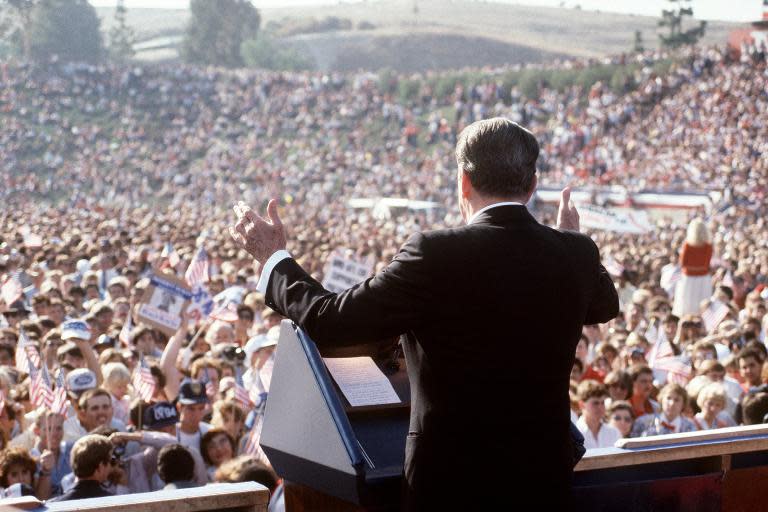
column 83, row 489
column 491, row 314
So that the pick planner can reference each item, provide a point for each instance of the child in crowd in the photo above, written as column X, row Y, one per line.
column 673, row 398
column 116, row 380
column 711, row 401
column 597, row 433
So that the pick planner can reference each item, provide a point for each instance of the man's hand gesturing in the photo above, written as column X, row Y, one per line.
column 567, row 216
column 259, row 236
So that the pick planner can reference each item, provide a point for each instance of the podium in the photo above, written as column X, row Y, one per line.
column 330, row 453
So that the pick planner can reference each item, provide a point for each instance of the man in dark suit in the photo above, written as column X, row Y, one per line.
column 91, row 461
column 528, row 289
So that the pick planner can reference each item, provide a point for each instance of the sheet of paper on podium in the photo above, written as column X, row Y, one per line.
column 361, row 381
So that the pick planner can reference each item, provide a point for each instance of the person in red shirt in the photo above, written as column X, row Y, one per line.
column 642, row 386
column 695, row 284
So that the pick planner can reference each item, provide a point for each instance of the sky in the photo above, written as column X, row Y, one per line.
column 726, row 10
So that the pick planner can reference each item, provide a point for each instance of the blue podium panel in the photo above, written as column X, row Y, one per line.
column 314, row 437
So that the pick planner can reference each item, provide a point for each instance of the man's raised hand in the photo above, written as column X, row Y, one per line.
column 259, row 236
column 567, row 216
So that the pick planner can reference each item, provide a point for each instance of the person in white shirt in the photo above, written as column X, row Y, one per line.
column 94, row 409
column 191, row 405
column 597, row 433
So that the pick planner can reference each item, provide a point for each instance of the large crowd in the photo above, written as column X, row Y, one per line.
column 113, row 174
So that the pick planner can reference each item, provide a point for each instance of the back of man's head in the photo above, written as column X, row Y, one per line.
column 754, row 408
column 499, row 157
column 88, row 453
column 175, row 464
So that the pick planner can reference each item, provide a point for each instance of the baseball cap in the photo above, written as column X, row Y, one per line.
column 80, row 380
column 159, row 415
column 261, row 341
column 18, row 307
column 75, row 329
column 192, row 391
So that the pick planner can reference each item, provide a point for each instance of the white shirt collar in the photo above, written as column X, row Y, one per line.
column 494, row 205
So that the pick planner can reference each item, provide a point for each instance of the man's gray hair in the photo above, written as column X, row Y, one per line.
column 499, row 156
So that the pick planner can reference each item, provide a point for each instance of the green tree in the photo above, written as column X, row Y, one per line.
column 263, row 52
column 68, row 29
column 673, row 19
column 121, row 36
column 216, row 31
column 16, row 28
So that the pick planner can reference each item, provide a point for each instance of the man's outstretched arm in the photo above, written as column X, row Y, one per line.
column 388, row 304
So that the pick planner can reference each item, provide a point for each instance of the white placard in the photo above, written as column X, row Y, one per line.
column 620, row 220
column 361, row 381
column 342, row 273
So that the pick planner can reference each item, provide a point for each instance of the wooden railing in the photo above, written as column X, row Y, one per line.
column 676, row 447
column 707, row 471
column 243, row 497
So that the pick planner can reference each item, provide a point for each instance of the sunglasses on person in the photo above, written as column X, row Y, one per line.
column 621, row 417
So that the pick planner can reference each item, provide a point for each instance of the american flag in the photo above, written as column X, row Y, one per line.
column 254, row 436
column 661, row 349
column 714, row 314
column 678, row 372
column 125, row 332
column 143, row 381
column 242, row 396
column 60, row 404
column 40, row 391
column 226, row 312
column 197, row 272
column 670, row 276
column 26, row 353
column 12, row 290
column 663, row 359
column 170, row 254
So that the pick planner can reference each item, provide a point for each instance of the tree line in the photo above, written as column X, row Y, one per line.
column 224, row 33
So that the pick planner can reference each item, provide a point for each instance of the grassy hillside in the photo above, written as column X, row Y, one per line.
column 443, row 33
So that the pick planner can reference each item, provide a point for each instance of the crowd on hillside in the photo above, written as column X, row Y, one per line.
column 110, row 175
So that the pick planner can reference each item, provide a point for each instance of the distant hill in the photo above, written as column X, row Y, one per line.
column 442, row 34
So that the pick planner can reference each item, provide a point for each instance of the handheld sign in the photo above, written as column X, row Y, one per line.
column 344, row 272
column 163, row 301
